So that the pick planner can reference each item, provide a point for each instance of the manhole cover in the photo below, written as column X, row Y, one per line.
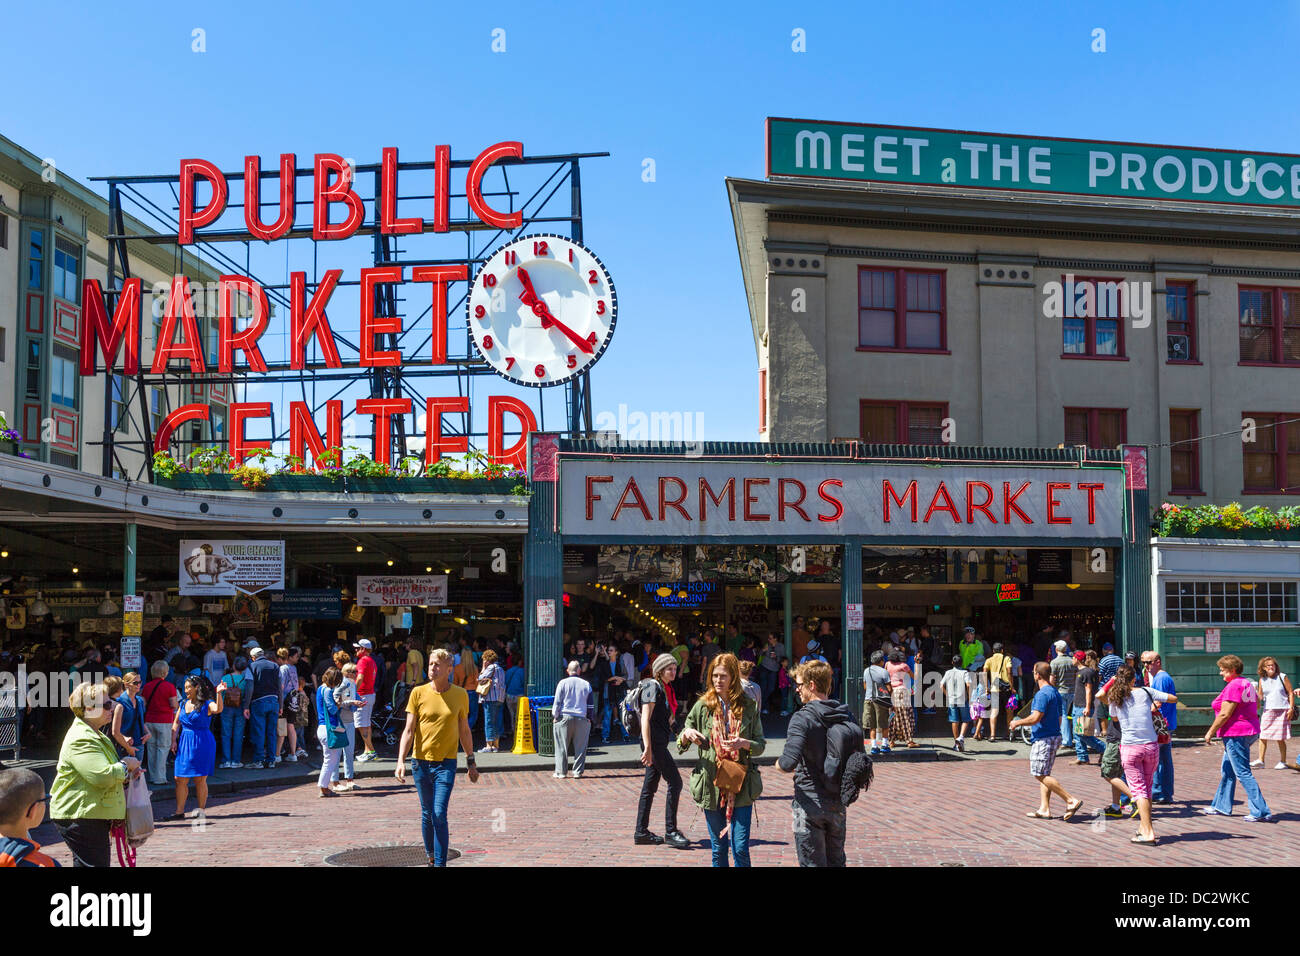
column 389, row 854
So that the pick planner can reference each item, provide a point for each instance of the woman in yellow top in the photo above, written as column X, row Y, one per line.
column 437, row 720
column 87, row 795
column 998, row 667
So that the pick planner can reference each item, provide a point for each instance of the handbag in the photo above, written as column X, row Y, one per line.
column 730, row 775
column 1158, row 721
column 484, row 686
column 334, row 739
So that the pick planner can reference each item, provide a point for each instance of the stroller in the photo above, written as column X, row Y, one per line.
column 391, row 718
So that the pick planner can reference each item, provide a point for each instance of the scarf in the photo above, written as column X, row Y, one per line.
column 672, row 701
column 720, row 732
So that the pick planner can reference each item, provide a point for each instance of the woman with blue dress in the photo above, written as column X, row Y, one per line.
column 194, row 744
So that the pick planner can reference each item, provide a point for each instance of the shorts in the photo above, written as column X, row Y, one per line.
column 1273, row 725
column 875, row 716
column 364, row 711
column 1140, row 762
column 1042, row 755
column 1103, row 712
column 958, row 715
column 1111, row 769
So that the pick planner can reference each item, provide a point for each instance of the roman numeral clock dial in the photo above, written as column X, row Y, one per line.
column 541, row 310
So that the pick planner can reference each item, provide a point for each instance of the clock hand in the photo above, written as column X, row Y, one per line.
column 527, row 283
column 542, row 311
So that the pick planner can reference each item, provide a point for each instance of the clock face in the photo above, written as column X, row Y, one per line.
column 541, row 310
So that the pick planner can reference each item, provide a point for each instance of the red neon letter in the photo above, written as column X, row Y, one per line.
column 751, row 499
column 1052, row 504
column 782, row 504
column 370, row 324
column 441, row 188
column 253, row 197
column 675, row 503
column 95, row 330
column 383, row 409
column 888, row 493
column 309, row 321
column 973, row 506
column 825, row 496
column 1009, row 503
column 1092, row 487
column 947, row 506
column 439, row 276
column 229, row 341
column 631, row 489
column 179, row 305
column 389, row 224
column 327, row 193
column 592, row 497
column 191, row 218
column 516, row 454
column 728, row 490
column 474, row 186
column 303, row 433
column 185, row 413
column 240, row 412
column 434, row 443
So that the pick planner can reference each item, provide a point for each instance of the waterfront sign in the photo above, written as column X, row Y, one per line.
column 905, row 155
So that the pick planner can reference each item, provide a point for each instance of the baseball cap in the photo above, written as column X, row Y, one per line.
column 1108, row 646
column 1061, row 645
column 364, row 642
column 813, row 645
column 1079, row 656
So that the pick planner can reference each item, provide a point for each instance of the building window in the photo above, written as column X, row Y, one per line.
column 1092, row 326
column 915, row 423
column 217, row 422
column 1184, row 451
column 63, row 378
column 4, row 231
column 67, row 270
column 35, row 259
column 65, row 460
column 1230, row 602
column 1180, row 321
column 118, row 411
column 1271, row 463
column 155, row 409
column 1096, row 427
column 901, row 309
column 33, row 369
column 1269, row 325
column 213, row 328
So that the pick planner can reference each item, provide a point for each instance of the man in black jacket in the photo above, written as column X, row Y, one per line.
column 819, row 814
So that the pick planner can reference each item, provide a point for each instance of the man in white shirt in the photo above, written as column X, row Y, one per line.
column 956, row 691
column 572, row 713
column 215, row 661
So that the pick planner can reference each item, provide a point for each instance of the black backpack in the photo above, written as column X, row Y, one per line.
column 629, row 714
column 847, row 769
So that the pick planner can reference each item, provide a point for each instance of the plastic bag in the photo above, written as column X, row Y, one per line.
column 139, row 811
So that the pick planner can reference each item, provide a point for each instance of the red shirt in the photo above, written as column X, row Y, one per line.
column 367, row 670
column 158, row 695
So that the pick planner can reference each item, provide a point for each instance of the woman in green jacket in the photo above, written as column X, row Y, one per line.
column 87, row 796
column 725, row 725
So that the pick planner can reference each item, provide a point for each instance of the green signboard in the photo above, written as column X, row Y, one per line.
column 939, row 157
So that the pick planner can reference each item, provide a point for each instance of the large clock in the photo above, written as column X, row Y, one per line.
column 541, row 310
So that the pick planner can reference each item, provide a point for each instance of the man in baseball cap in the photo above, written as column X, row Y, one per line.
column 367, row 683
column 1064, row 671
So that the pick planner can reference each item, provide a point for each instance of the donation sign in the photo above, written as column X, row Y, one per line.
column 396, row 590
column 231, row 567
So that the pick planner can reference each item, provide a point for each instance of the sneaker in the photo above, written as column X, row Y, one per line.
column 1133, row 809
column 369, row 755
column 302, row 753
column 1257, row 763
column 961, row 744
column 885, row 749
column 1251, row 818
column 223, row 766
column 785, row 713
column 1280, row 766
column 276, row 762
column 577, row 775
column 557, row 775
column 290, row 758
column 1113, row 812
column 487, row 750
column 956, row 746
column 268, row 764
column 1211, row 812
column 875, row 751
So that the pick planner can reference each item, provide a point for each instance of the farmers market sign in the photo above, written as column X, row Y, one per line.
column 938, row 157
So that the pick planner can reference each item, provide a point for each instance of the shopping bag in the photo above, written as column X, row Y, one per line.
column 139, row 811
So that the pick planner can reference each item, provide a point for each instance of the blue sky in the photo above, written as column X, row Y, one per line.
column 117, row 89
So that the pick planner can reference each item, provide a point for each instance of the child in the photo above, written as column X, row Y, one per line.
column 981, row 701
column 1277, row 711
column 956, row 692
column 22, row 808
column 1112, row 771
column 783, row 685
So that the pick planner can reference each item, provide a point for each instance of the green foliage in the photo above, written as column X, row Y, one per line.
column 165, row 466
column 1175, row 521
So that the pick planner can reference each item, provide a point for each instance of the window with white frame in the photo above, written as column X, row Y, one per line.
column 1230, row 602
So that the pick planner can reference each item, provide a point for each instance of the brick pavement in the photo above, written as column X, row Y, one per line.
column 966, row 813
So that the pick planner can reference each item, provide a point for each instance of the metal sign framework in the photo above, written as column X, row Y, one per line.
column 544, row 179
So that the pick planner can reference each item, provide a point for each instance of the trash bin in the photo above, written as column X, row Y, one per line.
column 543, row 725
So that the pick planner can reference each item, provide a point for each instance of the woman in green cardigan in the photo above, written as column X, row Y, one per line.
column 87, row 796
column 724, row 723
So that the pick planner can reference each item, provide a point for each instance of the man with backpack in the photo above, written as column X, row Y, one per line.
column 823, row 749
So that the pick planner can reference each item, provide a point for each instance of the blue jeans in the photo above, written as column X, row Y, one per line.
column 433, row 782
column 1085, row 745
column 739, row 835
column 491, row 722
column 232, row 734
column 1236, row 766
column 767, row 684
column 473, row 707
column 611, row 717
column 263, row 715
column 349, row 753
column 1164, row 783
column 1067, row 722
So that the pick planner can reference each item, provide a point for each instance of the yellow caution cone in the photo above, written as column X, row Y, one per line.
column 524, row 728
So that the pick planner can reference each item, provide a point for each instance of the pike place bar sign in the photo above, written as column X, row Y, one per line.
column 696, row 498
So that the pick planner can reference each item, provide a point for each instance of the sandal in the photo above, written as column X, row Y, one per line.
column 1038, row 815
column 1144, row 841
column 1071, row 811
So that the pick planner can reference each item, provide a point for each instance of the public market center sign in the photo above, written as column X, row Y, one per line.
column 938, row 157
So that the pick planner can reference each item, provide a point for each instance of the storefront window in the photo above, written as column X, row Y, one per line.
column 1230, row 602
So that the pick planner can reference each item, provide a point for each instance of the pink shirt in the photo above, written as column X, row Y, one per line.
column 897, row 674
column 1245, row 719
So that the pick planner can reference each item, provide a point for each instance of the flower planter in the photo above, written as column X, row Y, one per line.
column 1241, row 534
column 188, row 481
column 453, row 486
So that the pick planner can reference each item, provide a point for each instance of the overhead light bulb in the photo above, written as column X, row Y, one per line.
column 76, row 570
column 186, row 604
column 106, row 607
column 428, row 569
column 39, row 608
column 359, row 548
column 390, row 562
column 4, row 554
column 446, row 570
